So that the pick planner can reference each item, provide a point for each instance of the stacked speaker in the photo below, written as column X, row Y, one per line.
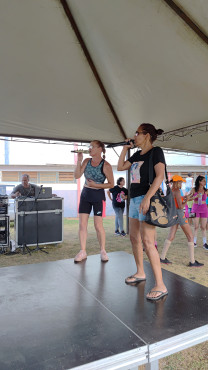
column 4, row 222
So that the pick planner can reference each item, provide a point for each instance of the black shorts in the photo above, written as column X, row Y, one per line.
column 91, row 198
column 86, row 207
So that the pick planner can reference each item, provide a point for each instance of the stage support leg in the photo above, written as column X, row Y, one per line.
column 154, row 365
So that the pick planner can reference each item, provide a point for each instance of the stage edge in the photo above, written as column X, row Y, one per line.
column 178, row 343
column 125, row 361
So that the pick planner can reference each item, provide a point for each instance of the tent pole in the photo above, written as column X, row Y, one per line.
column 128, row 187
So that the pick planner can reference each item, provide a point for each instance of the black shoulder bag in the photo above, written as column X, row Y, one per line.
column 162, row 210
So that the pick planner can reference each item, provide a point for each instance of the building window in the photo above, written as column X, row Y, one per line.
column 49, row 177
column 10, row 176
column 65, row 177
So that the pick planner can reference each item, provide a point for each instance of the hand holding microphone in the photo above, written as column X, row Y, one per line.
column 79, row 157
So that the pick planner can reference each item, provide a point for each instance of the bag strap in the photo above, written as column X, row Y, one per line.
column 151, row 169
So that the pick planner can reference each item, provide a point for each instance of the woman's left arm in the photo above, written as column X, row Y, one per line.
column 108, row 171
column 159, row 176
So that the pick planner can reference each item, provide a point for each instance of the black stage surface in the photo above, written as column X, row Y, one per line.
column 61, row 315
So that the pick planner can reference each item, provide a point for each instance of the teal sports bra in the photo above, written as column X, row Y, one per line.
column 95, row 173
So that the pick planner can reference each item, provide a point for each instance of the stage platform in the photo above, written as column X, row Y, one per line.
column 60, row 315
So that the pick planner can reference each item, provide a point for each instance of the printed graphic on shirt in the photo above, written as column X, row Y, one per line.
column 119, row 198
column 135, row 172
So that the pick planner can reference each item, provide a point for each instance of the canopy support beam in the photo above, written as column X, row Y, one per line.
column 187, row 20
column 91, row 64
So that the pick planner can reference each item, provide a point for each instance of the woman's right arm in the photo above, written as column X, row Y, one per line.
column 122, row 164
column 80, row 167
column 190, row 195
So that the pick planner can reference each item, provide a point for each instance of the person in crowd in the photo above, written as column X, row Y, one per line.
column 188, row 213
column 140, row 195
column 119, row 195
column 162, row 194
column 183, row 222
column 96, row 170
column 189, row 183
column 207, row 213
column 199, row 194
column 24, row 189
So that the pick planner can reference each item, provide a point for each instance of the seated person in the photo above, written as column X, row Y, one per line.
column 24, row 189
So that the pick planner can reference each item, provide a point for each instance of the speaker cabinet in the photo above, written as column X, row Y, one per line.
column 41, row 223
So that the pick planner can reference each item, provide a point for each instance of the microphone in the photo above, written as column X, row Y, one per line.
column 80, row 151
column 113, row 145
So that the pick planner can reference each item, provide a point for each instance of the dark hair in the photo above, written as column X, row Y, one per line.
column 26, row 175
column 100, row 145
column 198, row 179
column 189, row 174
column 148, row 128
column 119, row 180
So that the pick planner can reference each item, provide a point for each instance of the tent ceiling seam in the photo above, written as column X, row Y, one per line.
column 68, row 140
column 185, row 131
column 91, row 63
column 187, row 20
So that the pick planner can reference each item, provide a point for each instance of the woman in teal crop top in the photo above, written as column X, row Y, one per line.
column 96, row 170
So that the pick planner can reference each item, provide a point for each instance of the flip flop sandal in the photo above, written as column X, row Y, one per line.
column 161, row 295
column 135, row 281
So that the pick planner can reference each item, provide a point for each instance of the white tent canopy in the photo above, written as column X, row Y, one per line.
column 77, row 70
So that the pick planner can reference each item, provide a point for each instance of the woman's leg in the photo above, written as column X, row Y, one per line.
column 98, row 223
column 137, row 248
column 148, row 235
column 168, row 241
column 116, row 219
column 196, row 227
column 187, row 231
column 83, row 221
column 203, row 229
column 120, row 218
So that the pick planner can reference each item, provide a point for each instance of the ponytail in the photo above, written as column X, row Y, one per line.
column 100, row 144
column 148, row 128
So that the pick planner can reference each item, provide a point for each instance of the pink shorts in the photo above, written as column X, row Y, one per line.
column 200, row 210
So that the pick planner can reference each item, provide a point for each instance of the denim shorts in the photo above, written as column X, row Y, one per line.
column 134, row 208
column 182, row 220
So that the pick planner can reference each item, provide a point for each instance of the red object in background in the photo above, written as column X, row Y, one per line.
column 203, row 160
column 78, row 180
column 104, row 209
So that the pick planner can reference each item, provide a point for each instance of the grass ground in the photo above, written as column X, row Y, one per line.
column 193, row 358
